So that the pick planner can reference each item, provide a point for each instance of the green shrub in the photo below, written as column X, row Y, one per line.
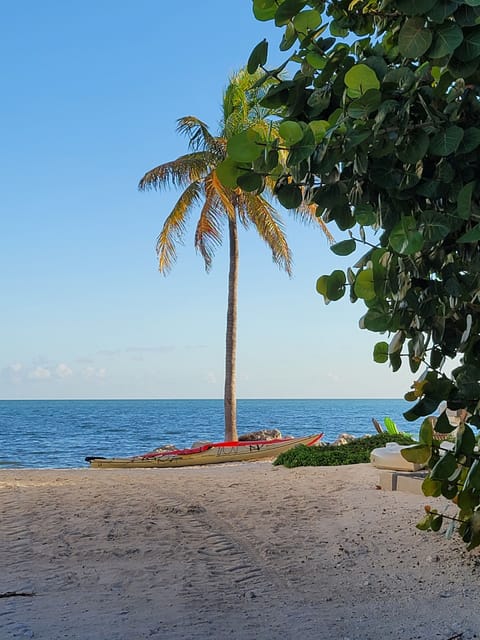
column 353, row 452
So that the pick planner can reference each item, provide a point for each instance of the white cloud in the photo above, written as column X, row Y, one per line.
column 63, row 371
column 17, row 372
column 40, row 373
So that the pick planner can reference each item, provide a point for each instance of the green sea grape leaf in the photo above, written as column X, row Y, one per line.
column 425, row 523
column 470, row 47
column 467, row 500
column 289, row 37
column 445, row 467
column 471, row 140
column 431, row 488
column 245, row 146
column 287, row 10
column 289, row 196
column 258, row 57
column 425, row 435
column 464, row 200
column 417, row 453
column 465, row 441
column 321, row 285
column 434, row 226
column 380, row 352
column 332, row 287
column 414, row 38
column 319, row 128
column 336, row 285
column 290, row 131
column 441, row 10
column 250, row 181
column 375, row 320
column 448, row 37
column 318, row 101
column 228, row 172
column 460, row 69
column 365, row 214
column 302, row 149
column 277, row 95
column 395, row 360
column 344, row 248
column 466, row 16
column 449, row 489
column 264, row 9
column 471, row 236
column 316, row 60
column 307, row 20
column 359, row 79
column 405, row 238
column 446, row 141
column 443, row 424
column 402, row 77
column 414, row 7
column 424, row 407
column 437, row 522
column 414, row 148
column 365, row 284
column 365, row 105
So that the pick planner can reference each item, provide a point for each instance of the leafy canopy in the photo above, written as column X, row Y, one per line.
column 380, row 126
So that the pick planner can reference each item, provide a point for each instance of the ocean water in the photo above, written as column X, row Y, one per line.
column 60, row 433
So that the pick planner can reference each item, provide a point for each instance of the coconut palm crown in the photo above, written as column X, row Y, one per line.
column 195, row 173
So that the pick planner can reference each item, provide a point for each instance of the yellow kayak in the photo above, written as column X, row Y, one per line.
column 212, row 453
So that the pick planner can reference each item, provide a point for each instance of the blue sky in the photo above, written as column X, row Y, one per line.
column 91, row 94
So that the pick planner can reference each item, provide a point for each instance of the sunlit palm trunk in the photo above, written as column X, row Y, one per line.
column 230, row 394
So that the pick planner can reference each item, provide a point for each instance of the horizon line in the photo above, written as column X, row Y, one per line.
column 189, row 399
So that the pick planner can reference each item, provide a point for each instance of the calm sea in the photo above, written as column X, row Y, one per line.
column 60, row 433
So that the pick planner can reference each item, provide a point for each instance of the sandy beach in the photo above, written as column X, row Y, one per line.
column 241, row 551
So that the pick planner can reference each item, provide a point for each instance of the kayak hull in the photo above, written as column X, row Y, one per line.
column 215, row 453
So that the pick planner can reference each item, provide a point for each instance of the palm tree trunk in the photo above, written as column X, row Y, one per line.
column 230, row 392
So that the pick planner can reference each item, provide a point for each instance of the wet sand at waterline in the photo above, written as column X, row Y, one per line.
column 246, row 551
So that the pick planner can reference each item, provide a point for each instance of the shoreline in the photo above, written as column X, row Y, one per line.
column 240, row 550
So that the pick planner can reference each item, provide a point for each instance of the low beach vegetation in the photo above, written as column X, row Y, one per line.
column 329, row 455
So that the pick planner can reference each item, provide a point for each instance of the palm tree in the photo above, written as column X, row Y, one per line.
column 195, row 173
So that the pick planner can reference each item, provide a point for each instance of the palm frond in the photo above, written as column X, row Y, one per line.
column 174, row 227
column 325, row 229
column 269, row 227
column 307, row 214
column 241, row 103
column 180, row 172
column 198, row 134
column 218, row 204
column 208, row 234
column 226, row 197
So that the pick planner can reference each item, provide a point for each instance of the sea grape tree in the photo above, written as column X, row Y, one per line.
column 379, row 129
